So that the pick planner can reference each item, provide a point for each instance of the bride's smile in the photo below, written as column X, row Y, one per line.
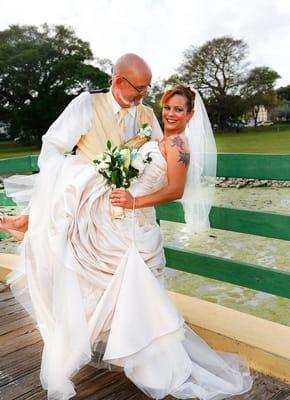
column 175, row 114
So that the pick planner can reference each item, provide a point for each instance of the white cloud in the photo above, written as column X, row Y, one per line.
column 161, row 30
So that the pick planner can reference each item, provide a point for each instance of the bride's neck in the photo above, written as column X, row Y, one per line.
column 170, row 133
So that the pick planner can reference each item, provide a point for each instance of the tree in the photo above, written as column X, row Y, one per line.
column 41, row 70
column 282, row 112
column 217, row 69
column 258, row 90
column 105, row 64
column 284, row 93
column 231, row 107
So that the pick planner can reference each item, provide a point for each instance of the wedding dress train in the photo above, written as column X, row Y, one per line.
column 93, row 282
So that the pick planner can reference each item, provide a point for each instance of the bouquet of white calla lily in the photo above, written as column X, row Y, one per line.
column 125, row 153
column 121, row 167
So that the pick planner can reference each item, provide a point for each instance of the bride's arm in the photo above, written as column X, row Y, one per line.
column 177, row 165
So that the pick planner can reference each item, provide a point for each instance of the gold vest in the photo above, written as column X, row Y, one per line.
column 104, row 126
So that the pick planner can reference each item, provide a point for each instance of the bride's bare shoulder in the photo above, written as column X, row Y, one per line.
column 177, row 140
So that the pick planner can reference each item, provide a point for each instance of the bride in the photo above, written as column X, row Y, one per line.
column 94, row 283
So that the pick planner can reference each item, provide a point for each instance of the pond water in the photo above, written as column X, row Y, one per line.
column 241, row 247
column 248, row 248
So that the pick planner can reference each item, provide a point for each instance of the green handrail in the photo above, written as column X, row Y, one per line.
column 258, row 223
column 259, row 166
column 252, row 276
column 255, row 166
column 242, row 165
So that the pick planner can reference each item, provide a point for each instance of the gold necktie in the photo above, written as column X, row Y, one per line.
column 121, row 122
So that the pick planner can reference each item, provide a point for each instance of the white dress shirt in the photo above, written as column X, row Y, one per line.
column 76, row 120
column 130, row 119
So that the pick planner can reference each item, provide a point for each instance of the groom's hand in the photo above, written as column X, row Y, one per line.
column 122, row 198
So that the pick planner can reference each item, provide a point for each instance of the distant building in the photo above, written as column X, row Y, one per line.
column 263, row 116
column 282, row 112
column 4, row 130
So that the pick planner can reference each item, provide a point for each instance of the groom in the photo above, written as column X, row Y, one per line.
column 91, row 119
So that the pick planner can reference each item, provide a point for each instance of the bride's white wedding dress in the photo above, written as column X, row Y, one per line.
column 94, row 285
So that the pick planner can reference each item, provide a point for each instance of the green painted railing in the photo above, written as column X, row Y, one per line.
column 259, row 223
column 17, row 165
column 273, row 225
column 258, row 166
column 243, row 274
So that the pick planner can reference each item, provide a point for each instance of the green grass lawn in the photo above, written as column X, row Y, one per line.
column 9, row 148
column 275, row 139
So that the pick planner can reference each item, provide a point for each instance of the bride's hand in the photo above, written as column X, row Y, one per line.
column 122, row 198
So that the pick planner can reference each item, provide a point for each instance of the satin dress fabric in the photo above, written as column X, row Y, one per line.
column 94, row 286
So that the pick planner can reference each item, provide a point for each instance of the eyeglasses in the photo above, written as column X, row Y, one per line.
column 139, row 89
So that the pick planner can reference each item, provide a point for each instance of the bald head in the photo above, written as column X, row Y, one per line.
column 131, row 63
column 131, row 79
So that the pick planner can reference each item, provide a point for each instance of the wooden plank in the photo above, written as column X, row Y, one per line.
column 7, row 303
column 258, row 223
column 16, row 342
column 257, row 166
column 230, row 330
column 10, row 309
column 6, row 295
column 13, row 325
column 283, row 394
column 20, row 363
column 3, row 286
column 104, row 386
column 20, row 355
column 37, row 395
column 255, row 277
column 25, row 329
column 14, row 316
column 20, row 379
column 22, row 388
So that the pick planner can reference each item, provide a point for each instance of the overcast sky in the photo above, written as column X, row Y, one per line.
column 160, row 30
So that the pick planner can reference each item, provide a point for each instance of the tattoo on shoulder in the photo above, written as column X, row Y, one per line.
column 177, row 141
column 184, row 158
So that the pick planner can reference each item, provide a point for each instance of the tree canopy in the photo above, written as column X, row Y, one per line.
column 219, row 69
column 258, row 89
column 283, row 93
column 41, row 69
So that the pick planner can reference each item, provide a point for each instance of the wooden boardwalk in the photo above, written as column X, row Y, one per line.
column 20, row 354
